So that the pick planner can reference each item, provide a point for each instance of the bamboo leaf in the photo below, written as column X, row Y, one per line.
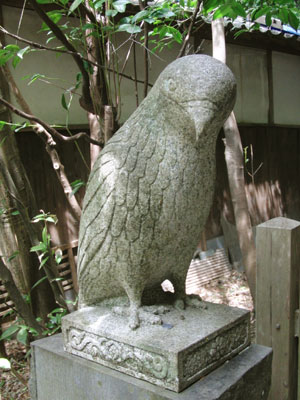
column 43, row 262
column 39, row 247
column 14, row 255
column 38, row 282
column 74, row 5
column 44, row 235
column 9, row 332
column 63, row 102
column 22, row 335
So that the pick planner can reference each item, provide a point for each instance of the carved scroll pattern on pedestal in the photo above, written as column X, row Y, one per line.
column 135, row 361
column 218, row 349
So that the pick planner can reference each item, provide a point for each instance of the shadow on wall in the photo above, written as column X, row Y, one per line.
column 264, row 201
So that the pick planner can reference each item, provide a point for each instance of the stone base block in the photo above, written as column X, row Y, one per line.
column 188, row 345
column 56, row 374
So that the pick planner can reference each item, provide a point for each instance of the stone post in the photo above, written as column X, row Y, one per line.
column 277, row 300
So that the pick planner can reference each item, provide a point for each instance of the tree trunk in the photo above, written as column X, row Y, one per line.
column 20, row 304
column 235, row 168
column 13, row 233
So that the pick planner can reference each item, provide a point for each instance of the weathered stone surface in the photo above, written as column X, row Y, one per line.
column 172, row 355
column 59, row 375
column 150, row 190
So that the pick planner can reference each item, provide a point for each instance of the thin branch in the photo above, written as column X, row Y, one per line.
column 143, row 5
column 63, row 51
column 49, row 267
column 49, row 128
column 135, row 75
column 125, row 61
column 88, row 13
column 188, row 35
column 86, row 101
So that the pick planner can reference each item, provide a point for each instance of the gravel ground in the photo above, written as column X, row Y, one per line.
column 232, row 290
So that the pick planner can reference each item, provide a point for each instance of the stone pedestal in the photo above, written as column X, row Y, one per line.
column 188, row 345
column 56, row 374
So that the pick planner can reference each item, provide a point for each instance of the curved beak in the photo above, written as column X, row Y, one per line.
column 204, row 117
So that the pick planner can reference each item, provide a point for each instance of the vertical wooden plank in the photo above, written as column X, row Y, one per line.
column 278, row 261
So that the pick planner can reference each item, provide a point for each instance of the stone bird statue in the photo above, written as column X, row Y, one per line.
column 150, row 190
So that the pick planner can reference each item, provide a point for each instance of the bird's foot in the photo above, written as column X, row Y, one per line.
column 147, row 315
column 191, row 301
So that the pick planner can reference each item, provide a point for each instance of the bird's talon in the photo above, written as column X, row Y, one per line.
column 179, row 304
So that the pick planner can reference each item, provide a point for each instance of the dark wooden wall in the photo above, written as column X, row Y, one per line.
column 48, row 191
column 276, row 190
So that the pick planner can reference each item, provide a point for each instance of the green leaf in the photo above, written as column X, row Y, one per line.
column 15, row 212
column 76, row 185
column 120, row 5
column 140, row 16
column 43, row 262
column 23, row 51
column 55, row 16
column 38, row 282
column 111, row 13
column 283, row 15
column 19, row 128
column 12, row 48
column 14, row 255
column 238, row 9
column 22, row 335
column 225, row 11
column 39, row 247
column 35, row 77
column 16, row 61
column 45, row 235
column 209, row 5
column 162, row 31
column 74, row 5
column 293, row 20
column 260, row 12
column 45, row 217
column 9, row 332
column 5, row 363
column 98, row 4
column 63, row 102
column 129, row 28
column 2, row 125
column 45, row 1
column 52, row 219
column 175, row 34
column 268, row 18
column 57, row 279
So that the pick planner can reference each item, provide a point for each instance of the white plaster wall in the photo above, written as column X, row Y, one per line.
column 286, row 86
column 44, row 99
column 249, row 66
column 157, row 63
column 250, row 69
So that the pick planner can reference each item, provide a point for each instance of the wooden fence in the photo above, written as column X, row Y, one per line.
column 277, row 302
